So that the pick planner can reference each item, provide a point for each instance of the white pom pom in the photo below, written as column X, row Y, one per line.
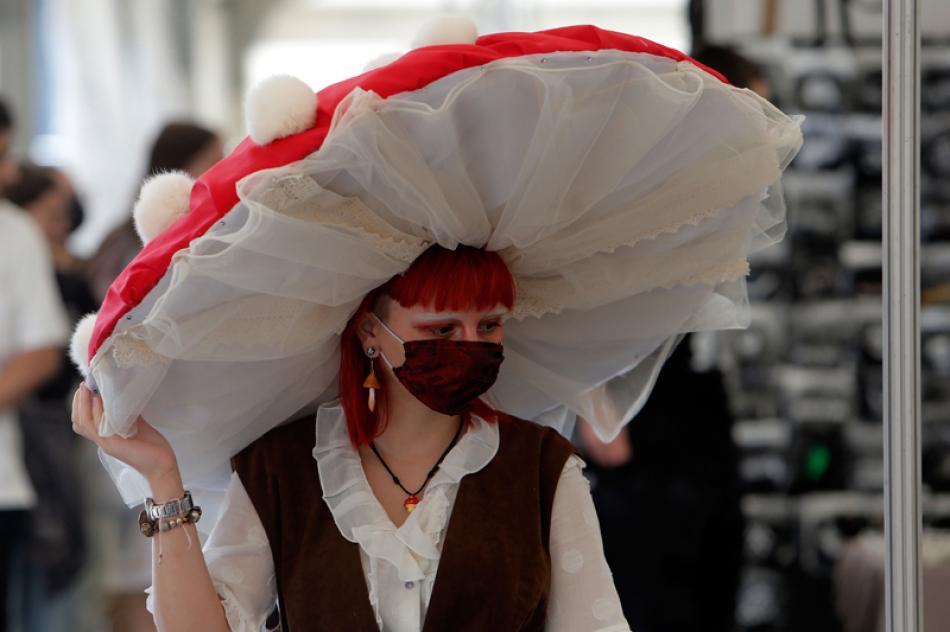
column 448, row 29
column 163, row 199
column 383, row 60
column 279, row 106
column 79, row 344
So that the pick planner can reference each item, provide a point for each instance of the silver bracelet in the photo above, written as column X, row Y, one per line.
column 167, row 516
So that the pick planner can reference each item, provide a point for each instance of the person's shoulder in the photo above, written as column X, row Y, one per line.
column 16, row 225
column 521, row 431
column 280, row 443
column 23, row 249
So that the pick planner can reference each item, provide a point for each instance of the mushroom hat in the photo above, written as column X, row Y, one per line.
column 624, row 184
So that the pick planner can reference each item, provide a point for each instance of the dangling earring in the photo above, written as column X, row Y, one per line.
column 371, row 382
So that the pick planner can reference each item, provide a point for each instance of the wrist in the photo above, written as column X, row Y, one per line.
column 166, row 485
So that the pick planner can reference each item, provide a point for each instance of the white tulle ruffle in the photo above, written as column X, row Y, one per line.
column 624, row 190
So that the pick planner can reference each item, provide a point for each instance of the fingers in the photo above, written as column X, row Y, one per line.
column 87, row 413
column 97, row 411
column 75, row 412
column 80, row 414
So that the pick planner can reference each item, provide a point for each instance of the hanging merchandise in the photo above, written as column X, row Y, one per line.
column 752, row 354
column 936, row 147
column 867, row 90
column 770, row 278
column 935, row 83
column 828, row 147
column 771, row 551
column 623, row 185
column 824, row 203
column 935, row 216
column 813, row 395
column 823, row 79
column 763, row 466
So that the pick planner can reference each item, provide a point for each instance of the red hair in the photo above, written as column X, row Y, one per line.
column 467, row 278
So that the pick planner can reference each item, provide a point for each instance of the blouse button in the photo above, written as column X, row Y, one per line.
column 410, row 585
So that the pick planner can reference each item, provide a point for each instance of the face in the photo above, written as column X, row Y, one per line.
column 51, row 213
column 205, row 159
column 761, row 88
column 9, row 170
column 420, row 322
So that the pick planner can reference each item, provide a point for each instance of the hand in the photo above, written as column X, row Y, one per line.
column 147, row 451
column 613, row 454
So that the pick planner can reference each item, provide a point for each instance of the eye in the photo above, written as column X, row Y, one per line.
column 490, row 326
column 442, row 330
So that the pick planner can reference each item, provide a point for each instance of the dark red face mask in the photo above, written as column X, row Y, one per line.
column 447, row 375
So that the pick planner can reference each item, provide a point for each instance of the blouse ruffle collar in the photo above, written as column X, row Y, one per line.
column 414, row 547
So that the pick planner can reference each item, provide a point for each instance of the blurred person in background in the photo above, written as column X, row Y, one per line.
column 54, row 549
column 33, row 332
column 126, row 557
column 667, row 488
column 180, row 146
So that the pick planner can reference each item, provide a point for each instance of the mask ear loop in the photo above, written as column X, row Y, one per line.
column 391, row 333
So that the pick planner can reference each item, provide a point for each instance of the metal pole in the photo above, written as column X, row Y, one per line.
column 902, row 522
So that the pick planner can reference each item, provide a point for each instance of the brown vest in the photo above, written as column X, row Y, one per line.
column 494, row 572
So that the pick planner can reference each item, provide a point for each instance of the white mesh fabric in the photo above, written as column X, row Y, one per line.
column 625, row 192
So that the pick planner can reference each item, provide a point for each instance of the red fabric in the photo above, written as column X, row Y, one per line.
column 448, row 375
column 214, row 193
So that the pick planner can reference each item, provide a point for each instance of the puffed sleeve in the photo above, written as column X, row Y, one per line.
column 583, row 596
column 240, row 562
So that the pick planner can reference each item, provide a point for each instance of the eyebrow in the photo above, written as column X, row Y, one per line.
column 447, row 316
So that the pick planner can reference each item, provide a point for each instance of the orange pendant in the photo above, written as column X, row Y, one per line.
column 410, row 503
column 371, row 381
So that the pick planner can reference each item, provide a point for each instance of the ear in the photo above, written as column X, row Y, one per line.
column 366, row 329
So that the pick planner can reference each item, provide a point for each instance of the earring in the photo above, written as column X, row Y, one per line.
column 371, row 382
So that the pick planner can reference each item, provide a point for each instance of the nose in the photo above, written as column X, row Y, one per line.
column 469, row 333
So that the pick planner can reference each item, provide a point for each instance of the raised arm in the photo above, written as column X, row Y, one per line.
column 185, row 596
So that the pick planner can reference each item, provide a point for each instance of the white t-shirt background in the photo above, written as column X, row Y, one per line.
column 31, row 317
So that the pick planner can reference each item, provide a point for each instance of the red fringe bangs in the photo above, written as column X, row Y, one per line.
column 461, row 279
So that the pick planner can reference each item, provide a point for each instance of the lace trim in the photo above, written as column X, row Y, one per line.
column 701, row 198
column 723, row 273
column 299, row 196
column 537, row 299
column 129, row 351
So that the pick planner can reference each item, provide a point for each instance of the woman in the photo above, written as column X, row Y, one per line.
column 362, row 260
column 448, row 308
column 54, row 551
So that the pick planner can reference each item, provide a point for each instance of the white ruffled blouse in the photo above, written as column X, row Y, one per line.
column 400, row 564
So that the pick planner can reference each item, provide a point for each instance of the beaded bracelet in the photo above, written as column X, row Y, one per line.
column 149, row 525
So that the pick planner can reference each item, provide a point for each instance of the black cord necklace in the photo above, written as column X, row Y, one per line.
column 413, row 498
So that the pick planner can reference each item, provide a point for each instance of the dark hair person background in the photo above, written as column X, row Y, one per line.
column 33, row 330
column 46, row 195
column 53, row 551
column 180, row 146
column 667, row 489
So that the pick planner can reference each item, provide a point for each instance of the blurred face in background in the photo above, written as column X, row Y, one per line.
column 51, row 211
column 9, row 169
column 761, row 87
column 211, row 153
